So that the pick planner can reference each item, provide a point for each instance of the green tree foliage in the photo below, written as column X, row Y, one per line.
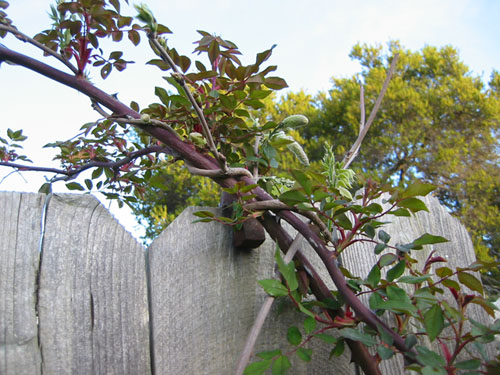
column 438, row 122
column 171, row 189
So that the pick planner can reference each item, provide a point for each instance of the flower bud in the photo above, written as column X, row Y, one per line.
column 295, row 121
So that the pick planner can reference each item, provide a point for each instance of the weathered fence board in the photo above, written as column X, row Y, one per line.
column 20, row 233
column 90, row 298
column 91, row 302
column 204, row 299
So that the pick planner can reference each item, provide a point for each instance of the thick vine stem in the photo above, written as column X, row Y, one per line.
column 278, row 205
column 24, row 38
column 203, row 161
column 359, row 351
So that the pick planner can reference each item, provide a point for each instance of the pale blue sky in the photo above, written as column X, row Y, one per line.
column 314, row 40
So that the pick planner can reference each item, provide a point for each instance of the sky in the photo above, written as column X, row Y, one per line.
column 313, row 40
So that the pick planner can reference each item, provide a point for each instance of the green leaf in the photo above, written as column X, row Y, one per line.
column 338, row 350
column 410, row 341
column 46, row 188
column 471, row 282
column 396, row 271
column 444, row 271
column 303, row 180
column 88, row 184
column 413, row 204
column 247, row 188
column 470, row 364
column 204, row 214
column 414, row 279
column 429, row 357
column 275, row 83
column 373, row 277
column 162, row 94
column 273, row 287
column 292, row 197
column 74, row 186
column 434, row 322
column 281, row 365
column 287, row 270
column 369, row 230
column 304, row 354
column 327, row 338
column 428, row 239
column 379, row 248
column 309, row 325
column 270, row 354
column 385, row 352
column 257, row 368
column 294, row 336
column 374, row 301
column 400, row 212
column 418, row 189
column 384, row 236
column 387, row 259
column 343, row 221
column 356, row 335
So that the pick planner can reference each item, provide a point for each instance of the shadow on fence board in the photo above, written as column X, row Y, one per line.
column 79, row 296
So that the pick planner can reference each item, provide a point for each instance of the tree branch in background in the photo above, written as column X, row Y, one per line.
column 72, row 173
column 353, row 152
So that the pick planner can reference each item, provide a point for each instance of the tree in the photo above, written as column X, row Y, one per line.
column 438, row 123
column 206, row 123
column 171, row 189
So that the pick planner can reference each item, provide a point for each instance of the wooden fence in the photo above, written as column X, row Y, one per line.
column 79, row 295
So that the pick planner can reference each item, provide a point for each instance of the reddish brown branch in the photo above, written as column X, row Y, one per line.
column 202, row 161
column 71, row 173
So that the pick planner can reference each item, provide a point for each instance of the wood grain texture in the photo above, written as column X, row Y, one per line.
column 93, row 297
column 459, row 252
column 20, row 233
column 204, row 298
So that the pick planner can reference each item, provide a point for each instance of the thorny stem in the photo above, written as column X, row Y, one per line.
column 205, row 162
column 352, row 153
column 71, row 173
column 24, row 38
column 278, row 205
column 179, row 77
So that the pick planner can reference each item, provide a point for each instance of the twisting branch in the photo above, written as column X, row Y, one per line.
column 72, row 173
column 353, row 152
column 204, row 161
column 179, row 77
column 26, row 39
column 143, row 122
column 264, row 312
column 276, row 205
